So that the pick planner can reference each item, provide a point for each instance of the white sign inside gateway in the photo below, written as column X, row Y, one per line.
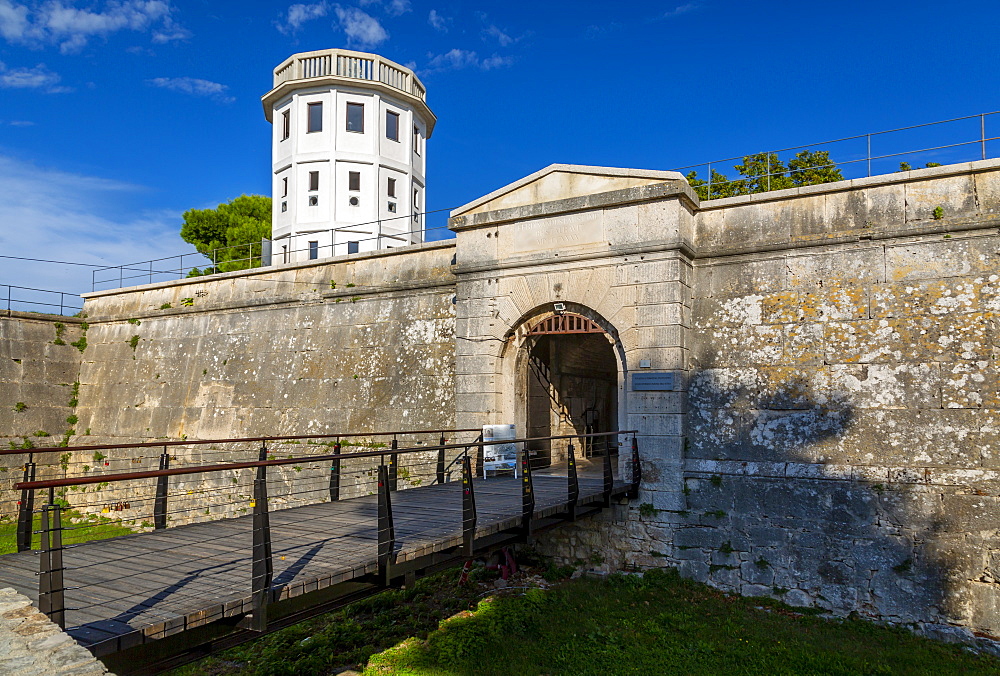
column 499, row 457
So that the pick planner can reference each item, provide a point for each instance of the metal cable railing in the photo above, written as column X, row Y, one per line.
column 27, row 299
column 172, row 268
column 965, row 140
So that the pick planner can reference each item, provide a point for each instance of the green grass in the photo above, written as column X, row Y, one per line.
column 661, row 624
column 347, row 636
column 656, row 624
column 81, row 528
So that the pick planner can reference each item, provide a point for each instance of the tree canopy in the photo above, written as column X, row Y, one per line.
column 230, row 234
column 763, row 172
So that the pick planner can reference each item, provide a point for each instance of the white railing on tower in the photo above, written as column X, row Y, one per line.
column 348, row 64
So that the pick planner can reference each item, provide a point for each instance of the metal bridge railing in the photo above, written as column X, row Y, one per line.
column 27, row 299
column 278, row 479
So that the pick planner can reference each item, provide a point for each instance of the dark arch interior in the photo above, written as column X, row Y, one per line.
column 571, row 388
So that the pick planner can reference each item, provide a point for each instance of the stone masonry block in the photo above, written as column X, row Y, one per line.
column 850, row 267
column 954, row 194
column 759, row 276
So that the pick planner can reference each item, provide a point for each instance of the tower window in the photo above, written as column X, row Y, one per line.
column 416, row 205
column 352, row 247
column 354, row 201
column 315, row 117
column 286, row 125
column 284, row 207
column 390, row 187
column 313, row 180
column 284, row 187
column 313, row 250
column 356, row 117
column 416, row 140
column 392, row 207
column 391, row 125
column 354, row 180
column 313, row 200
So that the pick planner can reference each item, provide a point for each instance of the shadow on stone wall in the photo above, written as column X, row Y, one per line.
column 786, row 496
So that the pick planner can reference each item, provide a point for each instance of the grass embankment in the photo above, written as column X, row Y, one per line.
column 78, row 528
column 656, row 624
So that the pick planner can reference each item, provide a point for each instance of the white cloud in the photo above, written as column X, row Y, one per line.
column 299, row 14
column 171, row 31
column 398, row 7
column 392, row 7
column 680, row 9
column 495, row 61
column 21, row 123
column 360, row 27
column 194, row 86
column 438, row 22
column 38, row 77
column 504, row 39
column 58, row 215
column 462, row 58
column 13, row 21
column 71, row 27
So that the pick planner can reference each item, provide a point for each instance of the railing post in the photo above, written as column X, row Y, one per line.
column 386, row 528
column 573, row 484
column 609, row 474
column 262, row 571
column 982, row 133
column 160, row 501
column 481, row 456
column 50, row 569
column 26, row 508
column 527, row 492
column 393, row 463
column 468, row 508
column 440, row 462
column 335, row 474
column 869, row 137
column 633, row 491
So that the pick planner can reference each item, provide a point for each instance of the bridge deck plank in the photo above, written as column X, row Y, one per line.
column 125, row 590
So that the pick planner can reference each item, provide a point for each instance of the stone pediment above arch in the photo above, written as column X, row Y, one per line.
column 564, row 181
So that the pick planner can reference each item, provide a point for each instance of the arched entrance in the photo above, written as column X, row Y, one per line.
column 570, row 381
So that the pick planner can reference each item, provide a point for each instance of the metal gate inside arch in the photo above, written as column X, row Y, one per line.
column 571, row 384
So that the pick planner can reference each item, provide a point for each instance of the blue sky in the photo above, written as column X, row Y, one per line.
column 116, row 116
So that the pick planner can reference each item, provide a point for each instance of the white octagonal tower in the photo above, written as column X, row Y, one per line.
column 348, row 154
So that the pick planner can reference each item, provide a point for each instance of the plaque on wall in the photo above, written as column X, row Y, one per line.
column 651, row 382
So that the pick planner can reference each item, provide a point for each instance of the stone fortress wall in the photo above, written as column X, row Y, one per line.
column 831, row 437
column 277, row 351
column 39, row 382
column 841, row 440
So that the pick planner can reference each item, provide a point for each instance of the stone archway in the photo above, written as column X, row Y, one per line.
column 564, row 371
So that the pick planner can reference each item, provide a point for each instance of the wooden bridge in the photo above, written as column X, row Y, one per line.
column 150, row 601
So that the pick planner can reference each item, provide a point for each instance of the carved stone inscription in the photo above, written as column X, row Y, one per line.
column 569, row 231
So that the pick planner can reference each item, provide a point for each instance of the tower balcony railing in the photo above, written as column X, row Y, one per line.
column 351, row 65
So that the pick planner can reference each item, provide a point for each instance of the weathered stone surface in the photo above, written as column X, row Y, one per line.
column 30, row 644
